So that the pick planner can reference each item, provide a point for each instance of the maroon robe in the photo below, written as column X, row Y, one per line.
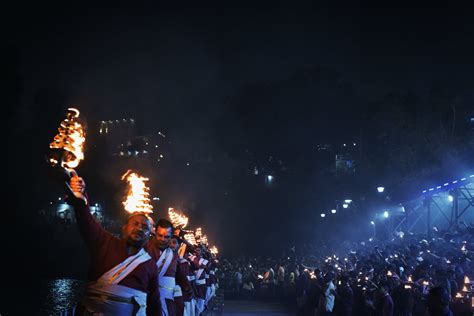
column 201, row 288
column 173, row 271
column 184, row 266
column 107, row 251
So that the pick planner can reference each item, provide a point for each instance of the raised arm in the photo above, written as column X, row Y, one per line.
column 91, row 231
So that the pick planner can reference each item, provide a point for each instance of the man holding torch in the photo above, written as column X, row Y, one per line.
column 123, row 277
column 169, row 271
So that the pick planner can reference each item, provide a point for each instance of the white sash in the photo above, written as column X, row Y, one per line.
column 120, row 271
column 201, row 270
column 177, row 291
column 164, row 261
column 166, row 284
column 113, row 299
column 201, row 282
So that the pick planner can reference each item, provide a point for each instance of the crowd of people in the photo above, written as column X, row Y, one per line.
column 408, row 275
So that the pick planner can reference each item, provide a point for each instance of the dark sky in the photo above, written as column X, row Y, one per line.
column 191, row 71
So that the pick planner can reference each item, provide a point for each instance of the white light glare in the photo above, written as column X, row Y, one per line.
column 323, row 215
column 372, row 223
column 380, row 189
column 385, row 214
column 450, row 198
column 345, row 205
column 333, row 211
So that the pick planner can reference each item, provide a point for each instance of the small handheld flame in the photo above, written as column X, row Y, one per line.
column 389, row 273
column 459, row 295
column 137, row 199
column 466, row 280
column 426, row 283
column 178, row 220
column 410, row 280
column 70, row 138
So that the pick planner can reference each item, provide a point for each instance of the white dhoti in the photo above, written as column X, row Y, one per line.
column 189, row 308
column 208, row 294
column 213, row 290
column 200, row 304
column 167, row 287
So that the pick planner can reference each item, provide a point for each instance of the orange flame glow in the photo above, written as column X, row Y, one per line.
column 190, row 238
column 71, row 138
column 198, row 234
column 214, row 250
column 178, row 220
column 138, row 196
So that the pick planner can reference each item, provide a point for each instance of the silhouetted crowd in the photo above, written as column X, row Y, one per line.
column 407, row 275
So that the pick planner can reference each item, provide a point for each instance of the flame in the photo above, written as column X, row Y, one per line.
column 458, row 295
column 410, row 279
column 198, row 233
column 138, row 197
column 214, row 250
column 466, row 280
column 71, row 138
column 190, row 238
column 426, row 283
column 178, row 220
column 204, row 240
column 464, row 289
column 389, row 273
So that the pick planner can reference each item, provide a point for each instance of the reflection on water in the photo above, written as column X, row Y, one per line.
column 60, row 295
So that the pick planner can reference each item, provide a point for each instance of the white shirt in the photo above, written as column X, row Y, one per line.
column 329, row 297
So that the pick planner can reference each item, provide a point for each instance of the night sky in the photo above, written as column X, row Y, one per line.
column 231, row 86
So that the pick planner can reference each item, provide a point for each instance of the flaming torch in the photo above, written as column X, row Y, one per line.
column 189, row 236
column 67, row 147
column 178, row 220
column 198, row 234
column 137, row 200
column 204, row 240
column 214, row 250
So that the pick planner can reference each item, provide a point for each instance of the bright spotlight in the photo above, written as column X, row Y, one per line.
column 385, row 214
column 372, row 223
column 323, row 215
column 380, row 189
column 345, row 205
column 333, row 211
column 450, row 198
column 348, row 201
column 269, row 178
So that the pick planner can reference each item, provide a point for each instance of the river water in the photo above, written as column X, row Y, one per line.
column 59, row 295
